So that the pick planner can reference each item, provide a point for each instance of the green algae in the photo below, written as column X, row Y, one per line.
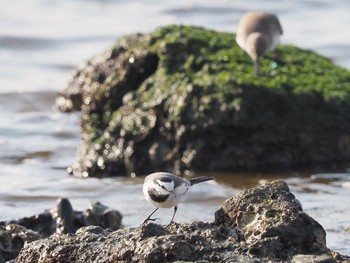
column 214, row 57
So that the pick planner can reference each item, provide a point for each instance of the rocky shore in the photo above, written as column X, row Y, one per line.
column 61, row 219
column 262, row 224
column 186, row 98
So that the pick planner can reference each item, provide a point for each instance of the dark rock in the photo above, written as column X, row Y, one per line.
column 42, row 223
column 185, row 98
column 64, row 216
column 101, row 215
column 12, row 239
column 62, row 219
column 263, row 224
column 153, row 230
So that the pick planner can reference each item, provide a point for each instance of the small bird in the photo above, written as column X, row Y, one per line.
column 258, row 32
column 166, row 190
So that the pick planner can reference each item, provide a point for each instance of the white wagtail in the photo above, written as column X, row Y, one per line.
column 166, row 190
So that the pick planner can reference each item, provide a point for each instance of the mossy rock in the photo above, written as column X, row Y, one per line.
column 186, row 98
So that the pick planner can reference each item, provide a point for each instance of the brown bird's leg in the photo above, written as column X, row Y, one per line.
column 256, row 68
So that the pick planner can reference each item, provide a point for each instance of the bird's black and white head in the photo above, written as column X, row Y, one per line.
column 163, row 184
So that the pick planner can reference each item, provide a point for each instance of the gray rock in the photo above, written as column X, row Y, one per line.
column 262, row 224
column 324, row 258
column 148, row 243
column 272, row 222
column 101, row 215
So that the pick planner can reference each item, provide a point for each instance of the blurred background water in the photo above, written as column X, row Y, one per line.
column 42, row 41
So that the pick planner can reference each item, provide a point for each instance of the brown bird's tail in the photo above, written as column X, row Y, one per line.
column 201, row 179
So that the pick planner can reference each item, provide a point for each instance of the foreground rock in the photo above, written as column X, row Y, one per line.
column 186, row 98
column 260, row 224
column 62, row 219
column 272, row 222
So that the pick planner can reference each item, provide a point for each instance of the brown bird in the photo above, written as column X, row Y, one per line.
column 257, row 33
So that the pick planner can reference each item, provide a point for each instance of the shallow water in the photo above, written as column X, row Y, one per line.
column 42, row 41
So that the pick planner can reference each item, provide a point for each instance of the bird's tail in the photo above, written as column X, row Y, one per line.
column 201, row 179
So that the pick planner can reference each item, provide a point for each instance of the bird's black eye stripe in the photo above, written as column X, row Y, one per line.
column 159, row 184
column 162, row 186
column 165, row 179
column 158, row 181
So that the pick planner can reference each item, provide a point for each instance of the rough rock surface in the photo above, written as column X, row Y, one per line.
column 263, row 224
column 12, row 239
column 62, row 219
column 185, row 98
column 270, row 217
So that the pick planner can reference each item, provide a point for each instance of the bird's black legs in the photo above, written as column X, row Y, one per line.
column 172, row 219
column 149, row 217
column 153, row 219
